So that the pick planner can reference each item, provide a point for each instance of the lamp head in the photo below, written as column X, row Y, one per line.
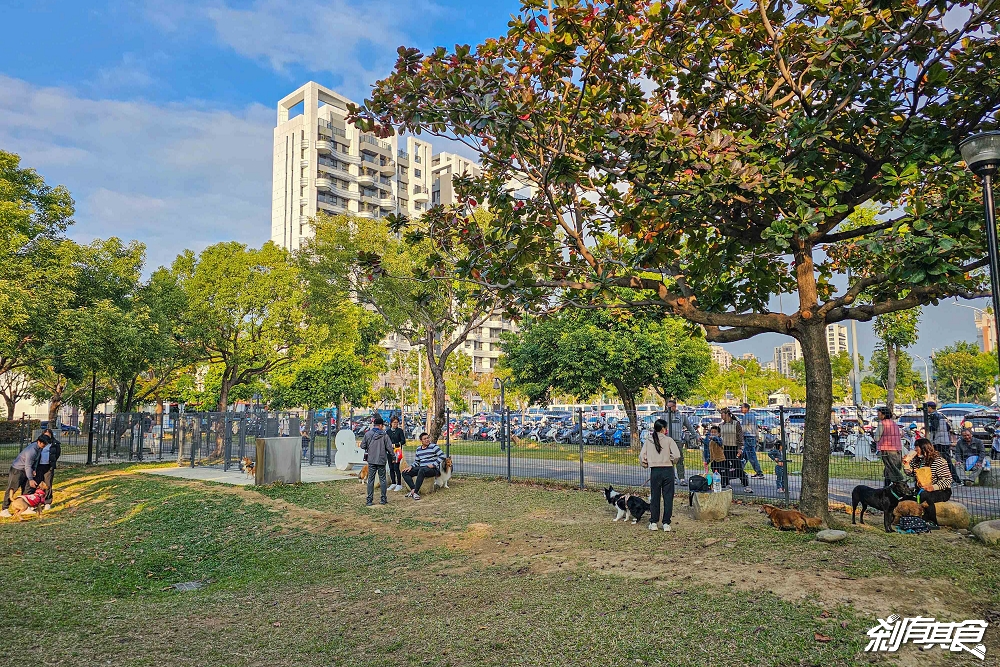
column 496, row 383
column 981, row 152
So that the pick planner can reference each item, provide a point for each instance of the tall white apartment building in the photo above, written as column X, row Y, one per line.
column 836, row 338
column 721, row 356
column 324, row 163
column 784, row 355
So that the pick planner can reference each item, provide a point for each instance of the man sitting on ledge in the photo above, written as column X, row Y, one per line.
column 427, row 464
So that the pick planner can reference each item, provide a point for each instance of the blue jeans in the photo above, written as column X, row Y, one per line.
column 750, row 453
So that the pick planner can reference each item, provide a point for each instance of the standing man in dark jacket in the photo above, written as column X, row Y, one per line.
column 379, row 449
column 46, row 468
column 939, row 433
column 677, row 423
column 22, row 471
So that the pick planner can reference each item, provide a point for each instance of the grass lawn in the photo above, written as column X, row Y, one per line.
column 484, row 573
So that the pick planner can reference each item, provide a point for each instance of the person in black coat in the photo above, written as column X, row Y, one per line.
column 46, row 468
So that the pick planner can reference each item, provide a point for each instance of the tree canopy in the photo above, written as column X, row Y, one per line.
column 728, row 146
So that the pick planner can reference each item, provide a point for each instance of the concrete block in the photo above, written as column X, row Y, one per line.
column 712, row 506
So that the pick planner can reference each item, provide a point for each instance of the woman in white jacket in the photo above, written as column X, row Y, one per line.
column 659, row 453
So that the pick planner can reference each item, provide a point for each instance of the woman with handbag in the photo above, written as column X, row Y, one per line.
column 932, row 474
column 659, row 453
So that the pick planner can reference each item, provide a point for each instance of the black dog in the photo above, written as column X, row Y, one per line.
column 884, row 500
column 626, row 502
column 697, row 484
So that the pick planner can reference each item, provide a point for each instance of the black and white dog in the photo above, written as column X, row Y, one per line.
column 626, row 502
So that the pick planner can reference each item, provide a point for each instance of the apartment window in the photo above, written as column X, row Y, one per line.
column 416, row 173
column 419, row 206
column 416, row 158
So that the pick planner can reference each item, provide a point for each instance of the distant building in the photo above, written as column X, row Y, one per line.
column 986, row 330
column 721, row 356
column 836, row 338
column 769, row 366
column 749, row 356
column 784, row 355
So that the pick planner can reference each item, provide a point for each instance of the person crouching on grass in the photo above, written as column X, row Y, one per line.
column 22, row 472
column 427, row 463
column 660, row 453
column 379, row 449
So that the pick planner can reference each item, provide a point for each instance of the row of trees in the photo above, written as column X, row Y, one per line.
column 81, row 324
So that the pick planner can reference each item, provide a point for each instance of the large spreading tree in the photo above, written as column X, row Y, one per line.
column 709, row 155
column 405, row 272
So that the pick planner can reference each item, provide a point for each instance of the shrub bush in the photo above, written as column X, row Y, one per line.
column 17, row 430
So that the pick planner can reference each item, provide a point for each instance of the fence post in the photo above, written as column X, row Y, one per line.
column 504, row 419
column 580, row 412
column 159, row 448
column 927, row 427
column 447, row 431
column 335, row 429
column 311, row 430
column 196, row 440
column 227, row 443
column 784, row 452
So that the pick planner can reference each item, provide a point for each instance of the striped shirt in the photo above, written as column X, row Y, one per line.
column 941, row 478
column 431, row 455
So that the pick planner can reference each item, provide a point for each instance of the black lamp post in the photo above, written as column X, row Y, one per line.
column 504, row 441
column 981, row 153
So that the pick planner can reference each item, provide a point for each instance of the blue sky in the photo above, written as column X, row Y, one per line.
column 158, row 114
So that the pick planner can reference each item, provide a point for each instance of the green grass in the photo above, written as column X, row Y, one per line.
column 502, row 575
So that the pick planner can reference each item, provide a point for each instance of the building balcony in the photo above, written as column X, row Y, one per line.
column 324, row 147
column 375, row 142
column 304, row 164
column 366, row 180
column 385, row 185
column 331, row 208
column 366, row 214
column 324, row 183
column 344, row 192
column 388, row 168
column 420, row 196
column 333, row 168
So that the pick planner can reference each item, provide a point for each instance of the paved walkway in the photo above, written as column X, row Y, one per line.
column 310, row 474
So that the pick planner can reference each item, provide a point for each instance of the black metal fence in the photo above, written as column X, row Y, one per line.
column 223, row 439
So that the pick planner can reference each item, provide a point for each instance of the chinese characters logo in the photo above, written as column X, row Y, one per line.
column 893, row 632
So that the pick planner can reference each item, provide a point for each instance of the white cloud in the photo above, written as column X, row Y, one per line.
column 356, row 41
column 173, row 176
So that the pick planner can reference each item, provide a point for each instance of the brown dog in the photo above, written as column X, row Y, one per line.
column 35, row 499
column 783, row 519
column 907, row 508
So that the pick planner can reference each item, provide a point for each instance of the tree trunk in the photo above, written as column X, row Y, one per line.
column 435, row 415
column 55, row 403
column 628, row 401
column 11, row 405
column 224, row 395
column 958, row 391
column 816, row 437
column 890, row 377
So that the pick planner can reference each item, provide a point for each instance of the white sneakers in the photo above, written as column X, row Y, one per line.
column 652, row 526
column 666, row 527
column 5, row 514
column 396, row 487
column 48, row 506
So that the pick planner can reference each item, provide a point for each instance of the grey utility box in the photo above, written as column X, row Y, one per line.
column 278, row 460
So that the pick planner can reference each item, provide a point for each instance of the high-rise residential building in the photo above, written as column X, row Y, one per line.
column 324, row 163
column 784, row 355
column 986, row 330
column 836, row 338
column 721, row 356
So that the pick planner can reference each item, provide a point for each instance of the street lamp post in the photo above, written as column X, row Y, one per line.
column 927, row 378
column 981, row 153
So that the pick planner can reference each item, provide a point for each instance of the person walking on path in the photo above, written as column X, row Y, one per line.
column 889, row 443
column 731, row 432
column 22, row 472
column 427, row 463
column 659, row 453
column 750, row 432
column 46, row 469
column 677, row 423
column 397, row 437
column 939, row 433
column 379, row 449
